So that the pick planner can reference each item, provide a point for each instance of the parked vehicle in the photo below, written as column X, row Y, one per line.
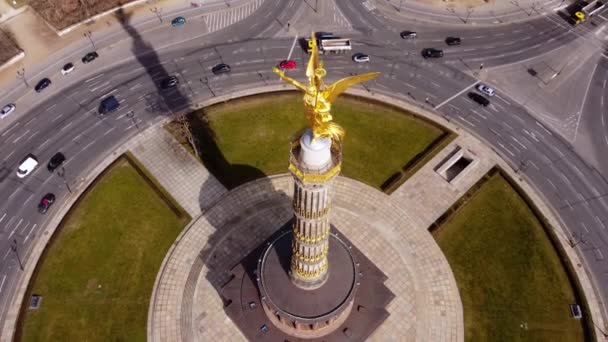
column 220, row 69
column 453, row 41
column 107, row 105
column 179, row 21
column 169, row 82
column 408, row 34
column 479, row 99
column 68, row 68
column 43, row 83
column 486, row 89
column 27, row 165
column 45, row 203
column 56, row 161
column 89, row 57
column 6, row 110
column 288, row 64
column 432, row 53
column 360, row 58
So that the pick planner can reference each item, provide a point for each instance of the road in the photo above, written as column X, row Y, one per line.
column 63, row 117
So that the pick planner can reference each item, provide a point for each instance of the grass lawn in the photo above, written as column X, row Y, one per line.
column 511, row 282
column 252, row 137
column 96, row 276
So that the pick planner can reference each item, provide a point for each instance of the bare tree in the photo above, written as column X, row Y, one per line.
column 185, row 132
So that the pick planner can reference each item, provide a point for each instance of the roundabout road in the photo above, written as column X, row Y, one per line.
column 63, row 117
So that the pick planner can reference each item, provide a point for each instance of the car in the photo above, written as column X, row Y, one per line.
column 453, row 41
column 220, row 69
column 287, row 64
column 486, row 89
column 179, row 21
column 27, row 165
column 169, row 82
column 89, row 57
column 107, row 105
column 56, row 161
column 68, row 68
column 324, row 35
column 6, row 110
column 432, row 53
column 43, row 83
column 360, row 58
column 46, row 202
column 479, row 99
column 408, row 34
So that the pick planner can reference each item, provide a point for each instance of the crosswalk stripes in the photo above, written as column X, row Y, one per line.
column 339, row 18
column 219, row 20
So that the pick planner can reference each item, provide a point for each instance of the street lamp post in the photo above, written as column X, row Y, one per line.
column 21, row 76
column 61, row 173
column 88, row 35
column 158, row 12
column 131, row 115
column 14, row 248
column 206, row 82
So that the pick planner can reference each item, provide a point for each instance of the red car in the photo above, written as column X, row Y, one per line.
column 290, row 64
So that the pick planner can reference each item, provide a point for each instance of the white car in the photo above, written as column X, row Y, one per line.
column 68, row 68
column 485, row 89
column 360, row 58
column 27, row 166
column 9, row 108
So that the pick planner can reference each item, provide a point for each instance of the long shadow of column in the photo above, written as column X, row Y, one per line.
column 175, row 103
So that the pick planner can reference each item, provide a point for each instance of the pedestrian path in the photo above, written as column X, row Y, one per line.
column 185, row 178
column 218, row 20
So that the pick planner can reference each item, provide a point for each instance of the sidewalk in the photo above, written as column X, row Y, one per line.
column 464, row 12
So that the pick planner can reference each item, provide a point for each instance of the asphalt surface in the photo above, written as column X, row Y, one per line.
column 64, row 116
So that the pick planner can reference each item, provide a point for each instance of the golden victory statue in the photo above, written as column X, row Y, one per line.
column 318, row 97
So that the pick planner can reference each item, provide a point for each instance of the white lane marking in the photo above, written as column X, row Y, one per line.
column 33, row 135
column 467, row 121
column 457, row 94
column 10, row 128
column 135, row 86
column 585, row 227
column 21, row 136
column 9, row 155
column 6, row 254
column 293, row 45
column 2, row 218
column 2, row 282
column 600, row 221
column 543, row 127
column 603, row 121
column 533, row 165
column 580, row 109
column 51, row 107
column 28, row 199
column 28, row 234
column 566, row 180
column 57, row 117
column 103, row 85
column 14, row 229
column 479, row 114
column 93, row 78
column 66, row 126
column 495, row 132
column 506, row 149
column 88, row 145
column 550, row 182
column 569, row 205
column 519, row 142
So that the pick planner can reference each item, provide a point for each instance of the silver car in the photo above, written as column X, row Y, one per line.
column 486, row 89
column 9, row 108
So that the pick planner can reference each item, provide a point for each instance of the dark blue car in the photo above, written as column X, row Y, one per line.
column 179, row 21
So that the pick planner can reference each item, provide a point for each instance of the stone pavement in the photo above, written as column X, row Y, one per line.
column 186, row 305
column 463, row 12
column 184, row 177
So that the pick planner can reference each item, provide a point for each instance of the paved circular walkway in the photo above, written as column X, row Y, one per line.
column 186, row 305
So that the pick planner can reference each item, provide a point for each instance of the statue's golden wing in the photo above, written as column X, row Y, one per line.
column 288, row 79
column 332, row 91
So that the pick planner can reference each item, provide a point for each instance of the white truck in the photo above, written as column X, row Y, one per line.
column 331, row 45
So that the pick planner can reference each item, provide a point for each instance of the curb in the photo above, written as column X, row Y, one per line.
column 13, row 60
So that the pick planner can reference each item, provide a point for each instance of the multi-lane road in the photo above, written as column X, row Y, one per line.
column 136, row 58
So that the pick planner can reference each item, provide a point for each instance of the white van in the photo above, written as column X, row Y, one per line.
column 27, row 166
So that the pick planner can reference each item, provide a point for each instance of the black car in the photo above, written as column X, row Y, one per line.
column 453, row 41
column 45, row 203
column 479, row 99
column 89, row 57
column 55, row 161
column 45, row 82
column 107, row 105
column 408, row 34
column 169, row 82
column 220, row 69
column 432, row 53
